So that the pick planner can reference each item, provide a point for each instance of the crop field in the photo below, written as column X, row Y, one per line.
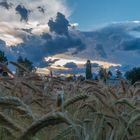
column 32, row 108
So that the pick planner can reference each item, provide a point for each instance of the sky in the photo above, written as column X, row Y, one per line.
column 94, row 13
column 42, row 29
column 87, row 14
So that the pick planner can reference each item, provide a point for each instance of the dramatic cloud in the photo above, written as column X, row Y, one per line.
column 46, row 31
column 131, row 45
column 63, row 44
column 36, row 48
column 70, row 65
column 114, row 43
column 100, row 50
column 47, row 62
column 6, row 5
column 35, row 15
column 136, row 28
column 23, row 12
column 11, row 36
column 41, row 9
column 60, row 25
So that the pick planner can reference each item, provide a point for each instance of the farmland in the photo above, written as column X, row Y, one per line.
column 31, row 109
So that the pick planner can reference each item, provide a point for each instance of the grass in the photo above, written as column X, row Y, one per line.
column 92, row 110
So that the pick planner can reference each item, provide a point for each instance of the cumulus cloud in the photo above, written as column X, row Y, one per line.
column 41, row 9
column 100, row 50
column 23, row 12
column 6, row 5
column 74, row 25
column 51, row 6
column 34, row 13
column 63, row 44
column 60, row 25
column 10, row 35
column 131, row 45
column 70, row 65
column 36, row 48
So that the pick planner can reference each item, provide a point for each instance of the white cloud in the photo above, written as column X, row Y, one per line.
column 10, row 20
column 9, row 34
column 64, row 58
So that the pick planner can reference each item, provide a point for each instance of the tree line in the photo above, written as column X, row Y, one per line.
column 24, row 65
column 132, row 75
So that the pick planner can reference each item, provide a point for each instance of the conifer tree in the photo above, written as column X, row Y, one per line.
column 3, row 60
column 103, row 74
column 88, row 70
column 26, row 64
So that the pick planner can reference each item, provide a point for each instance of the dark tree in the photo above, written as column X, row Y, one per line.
column 109, row 74
column 103, row 74
column 80, row 78
column 20, row 71
column 88, row 70
column 27, row 64
column 118, row 74
column 3, row 60
column 133, row 75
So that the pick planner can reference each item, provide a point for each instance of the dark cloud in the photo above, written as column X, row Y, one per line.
column 6, row 5
column 70, row 65
column 41, row 9
column 111, row 33
column 36, row 48
column 63, row 44
column 32, row 48
column 60, row 25
column 136, row 28
column 46, row 36
column 100, row 50
column 27, row 30
column 23, row 12
column 50, row 61
column 47, row 63
column 131, row 45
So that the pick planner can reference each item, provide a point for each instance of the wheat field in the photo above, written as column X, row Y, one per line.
column 30, row 109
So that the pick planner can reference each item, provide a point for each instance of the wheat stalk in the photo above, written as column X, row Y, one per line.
column 10, row 125
column 17, row 104
column 75, row 99
column 126, row 101
column 51, row 119
column 134, row 137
